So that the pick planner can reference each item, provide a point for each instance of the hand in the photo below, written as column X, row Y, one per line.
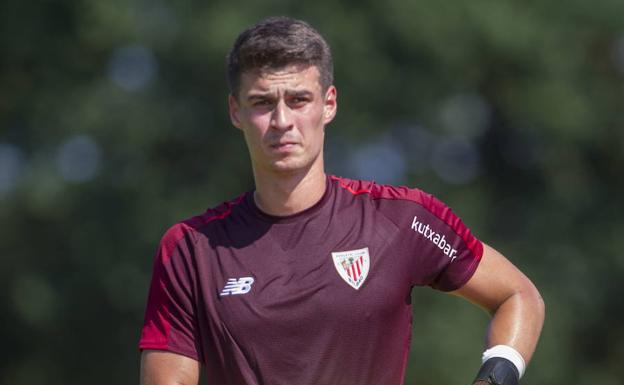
column 481, row 383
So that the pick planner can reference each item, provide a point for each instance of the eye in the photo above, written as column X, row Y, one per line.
column 261, row 103
column 298, row 101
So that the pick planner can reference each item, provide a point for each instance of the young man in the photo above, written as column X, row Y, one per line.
column 307, row 279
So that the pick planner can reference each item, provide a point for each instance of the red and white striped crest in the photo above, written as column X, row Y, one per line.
column 352, row 266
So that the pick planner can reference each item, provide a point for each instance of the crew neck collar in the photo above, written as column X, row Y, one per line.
column 249, row 199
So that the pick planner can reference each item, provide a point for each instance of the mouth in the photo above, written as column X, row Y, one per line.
column 284, row 146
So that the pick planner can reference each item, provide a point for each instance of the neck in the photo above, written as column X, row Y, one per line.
column 282, row 194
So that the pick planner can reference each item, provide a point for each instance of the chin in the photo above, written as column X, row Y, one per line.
column 290, row 165
column 287, row 168
column 293, row 163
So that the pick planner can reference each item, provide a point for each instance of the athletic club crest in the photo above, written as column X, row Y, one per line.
column 352, row 266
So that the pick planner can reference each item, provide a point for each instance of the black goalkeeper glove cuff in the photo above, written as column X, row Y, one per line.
column 498, row 371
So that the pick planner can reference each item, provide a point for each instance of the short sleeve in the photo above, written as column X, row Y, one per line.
column 446, row 252
column 170, row 323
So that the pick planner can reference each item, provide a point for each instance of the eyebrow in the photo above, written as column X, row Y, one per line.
column 270, row 95
column 302, row 93
column 260, row 95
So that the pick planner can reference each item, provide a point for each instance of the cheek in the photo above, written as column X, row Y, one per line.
column 257, row 118
column 314, row 123
column 313, row 134
column 257, row 124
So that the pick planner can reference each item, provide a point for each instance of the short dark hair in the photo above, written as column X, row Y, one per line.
column 274, row 43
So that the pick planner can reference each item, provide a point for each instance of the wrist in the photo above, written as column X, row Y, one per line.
column 501, row 365
column 498, row 371
column 507, row 352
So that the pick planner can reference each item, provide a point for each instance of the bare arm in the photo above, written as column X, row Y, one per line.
column 165, row 368
column 512, row 299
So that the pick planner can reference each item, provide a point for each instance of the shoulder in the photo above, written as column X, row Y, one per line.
column 189, row 229
column 376, row 191
column 399, row 202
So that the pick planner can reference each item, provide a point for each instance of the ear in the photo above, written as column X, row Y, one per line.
column 234, row 110
column 331, row 104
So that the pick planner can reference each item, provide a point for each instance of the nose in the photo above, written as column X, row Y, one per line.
column 281, row 118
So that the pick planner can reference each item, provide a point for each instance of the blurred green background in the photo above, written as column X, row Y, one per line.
column 113, row 126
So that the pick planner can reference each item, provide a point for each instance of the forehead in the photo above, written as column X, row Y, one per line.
column 291, row 77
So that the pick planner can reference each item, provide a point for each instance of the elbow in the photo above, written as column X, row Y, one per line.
column 534, row 305
column 540, row 307
column 527, row 300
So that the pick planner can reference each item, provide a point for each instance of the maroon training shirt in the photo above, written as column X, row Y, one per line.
column 321, row 297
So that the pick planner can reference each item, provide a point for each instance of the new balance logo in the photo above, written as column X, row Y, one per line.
column 237, row 286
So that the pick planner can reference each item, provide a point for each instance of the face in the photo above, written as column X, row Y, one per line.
column 283, row 114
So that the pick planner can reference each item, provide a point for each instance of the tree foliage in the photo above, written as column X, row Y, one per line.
column 113, row 126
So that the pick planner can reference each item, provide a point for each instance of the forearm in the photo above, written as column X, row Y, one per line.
column 518, row 321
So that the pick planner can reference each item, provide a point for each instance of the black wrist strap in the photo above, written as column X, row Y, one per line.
column 498, row 371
